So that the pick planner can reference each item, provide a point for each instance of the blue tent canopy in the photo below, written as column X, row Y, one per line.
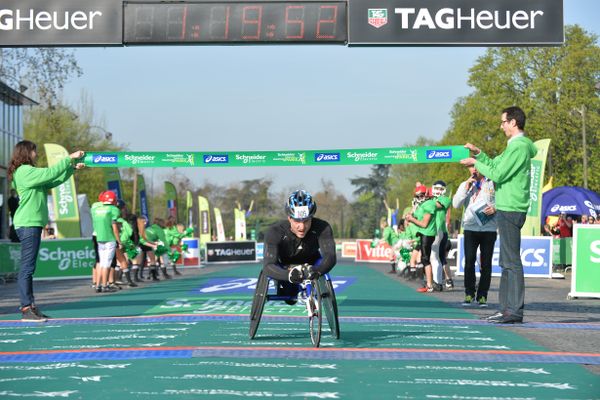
column 572, row 200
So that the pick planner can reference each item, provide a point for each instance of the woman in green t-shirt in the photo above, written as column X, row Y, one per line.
column 32, row 185
column 424, row 219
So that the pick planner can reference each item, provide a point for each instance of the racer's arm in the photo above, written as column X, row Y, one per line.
column 327, row 249
column 271, row 265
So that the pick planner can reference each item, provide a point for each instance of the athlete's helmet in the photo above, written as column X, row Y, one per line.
column 438, row 188
column 108, row 197
column 300, row 206
column 420, row 194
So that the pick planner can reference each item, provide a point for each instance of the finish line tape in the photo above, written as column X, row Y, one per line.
column 390, row 155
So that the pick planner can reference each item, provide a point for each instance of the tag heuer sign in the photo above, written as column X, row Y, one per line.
column 455, row 22
column 378, row 17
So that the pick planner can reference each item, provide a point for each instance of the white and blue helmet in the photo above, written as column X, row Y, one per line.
column 300, row 206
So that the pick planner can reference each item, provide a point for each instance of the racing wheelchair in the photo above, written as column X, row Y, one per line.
column 318, row 296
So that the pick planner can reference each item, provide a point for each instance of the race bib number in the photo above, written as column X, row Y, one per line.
column 301, row 212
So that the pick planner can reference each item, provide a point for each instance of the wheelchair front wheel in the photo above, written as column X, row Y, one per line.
column 315, row 321
column 330, row 306
column 258, row 302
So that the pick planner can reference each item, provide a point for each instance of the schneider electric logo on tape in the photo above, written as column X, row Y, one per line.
column 134, row 159
column 16, row 20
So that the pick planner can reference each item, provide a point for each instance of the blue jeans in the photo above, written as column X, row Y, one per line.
column 30, row 238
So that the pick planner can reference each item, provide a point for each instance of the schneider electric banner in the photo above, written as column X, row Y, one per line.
column 394, row 155
column 61, row 22
column 536, row 256
column 455, row 22
column 57, row 259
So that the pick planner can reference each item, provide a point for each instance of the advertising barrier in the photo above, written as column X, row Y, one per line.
column 260, row 249
column 349, row 249
column 382, row 253
column 536, row 255
column 191, row 257
column 226, row 252
column 57, row 259
column 585, row 281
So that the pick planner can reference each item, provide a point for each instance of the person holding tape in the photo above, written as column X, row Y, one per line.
column 32, row 185
column 511, row 172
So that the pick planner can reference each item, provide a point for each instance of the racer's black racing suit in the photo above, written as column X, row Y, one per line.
column 283, row 248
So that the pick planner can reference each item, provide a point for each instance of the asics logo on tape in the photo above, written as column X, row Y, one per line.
column 216, row 158
column 105, row 159
column 327, row 157
column 438, row 154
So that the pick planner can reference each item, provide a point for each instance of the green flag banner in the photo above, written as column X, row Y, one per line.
column 204, row 218
column 219, row 225
column 66, row 209
column 391, row 155
column 532, row 226
column 189, row 204
column 171, row 193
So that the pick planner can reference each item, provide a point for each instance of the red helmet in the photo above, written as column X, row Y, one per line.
column 108, row 197
column 420, row 190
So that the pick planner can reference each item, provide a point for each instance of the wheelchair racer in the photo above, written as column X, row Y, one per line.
column 299, row 247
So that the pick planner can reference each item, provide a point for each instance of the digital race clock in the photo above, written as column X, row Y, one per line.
column 235, row 22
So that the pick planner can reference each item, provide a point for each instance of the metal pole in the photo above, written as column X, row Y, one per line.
column 584, row 143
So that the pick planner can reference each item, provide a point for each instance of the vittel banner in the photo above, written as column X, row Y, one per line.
column 456, row 22
column 60, row 22
column 222, row 252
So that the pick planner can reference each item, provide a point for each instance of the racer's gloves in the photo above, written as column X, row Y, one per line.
column 310, row 272
column 296, row 275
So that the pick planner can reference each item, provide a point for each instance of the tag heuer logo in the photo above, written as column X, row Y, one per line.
column 378, row 17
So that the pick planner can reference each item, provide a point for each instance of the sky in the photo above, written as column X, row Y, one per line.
column 261, row 98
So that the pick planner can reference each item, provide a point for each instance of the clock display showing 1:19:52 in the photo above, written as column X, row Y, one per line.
column 235, row 22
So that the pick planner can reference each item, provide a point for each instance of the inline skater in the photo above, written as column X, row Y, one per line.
column 299, row 247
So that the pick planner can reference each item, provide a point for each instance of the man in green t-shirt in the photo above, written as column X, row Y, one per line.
column 438, row 249
column 104, row 220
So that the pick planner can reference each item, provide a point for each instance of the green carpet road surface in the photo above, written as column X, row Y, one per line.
column 188, row 338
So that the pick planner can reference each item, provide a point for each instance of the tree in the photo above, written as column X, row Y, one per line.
column 332, row 206
column 549, row 84
column 369, row 207
column 44, row 70
column 61, row 126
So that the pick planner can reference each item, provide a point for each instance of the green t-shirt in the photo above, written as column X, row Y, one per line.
column 32, row 185
column 427, row 207
column 390, row 236
column 154, row 233
column 126, row 230
column 440, row 213
column 103, row 216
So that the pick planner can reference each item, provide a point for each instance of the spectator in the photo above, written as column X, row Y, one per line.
column 511, row 172
column 48, row 232
column 565, row 225
column 584, row 219
column 32, row 185
column 476, row 194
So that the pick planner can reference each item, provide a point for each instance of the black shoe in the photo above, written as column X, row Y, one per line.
column 109, row 289
column 39, row 312
column 291, row 302
column 98, row 289
column 437, row 287
column 28, row 315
